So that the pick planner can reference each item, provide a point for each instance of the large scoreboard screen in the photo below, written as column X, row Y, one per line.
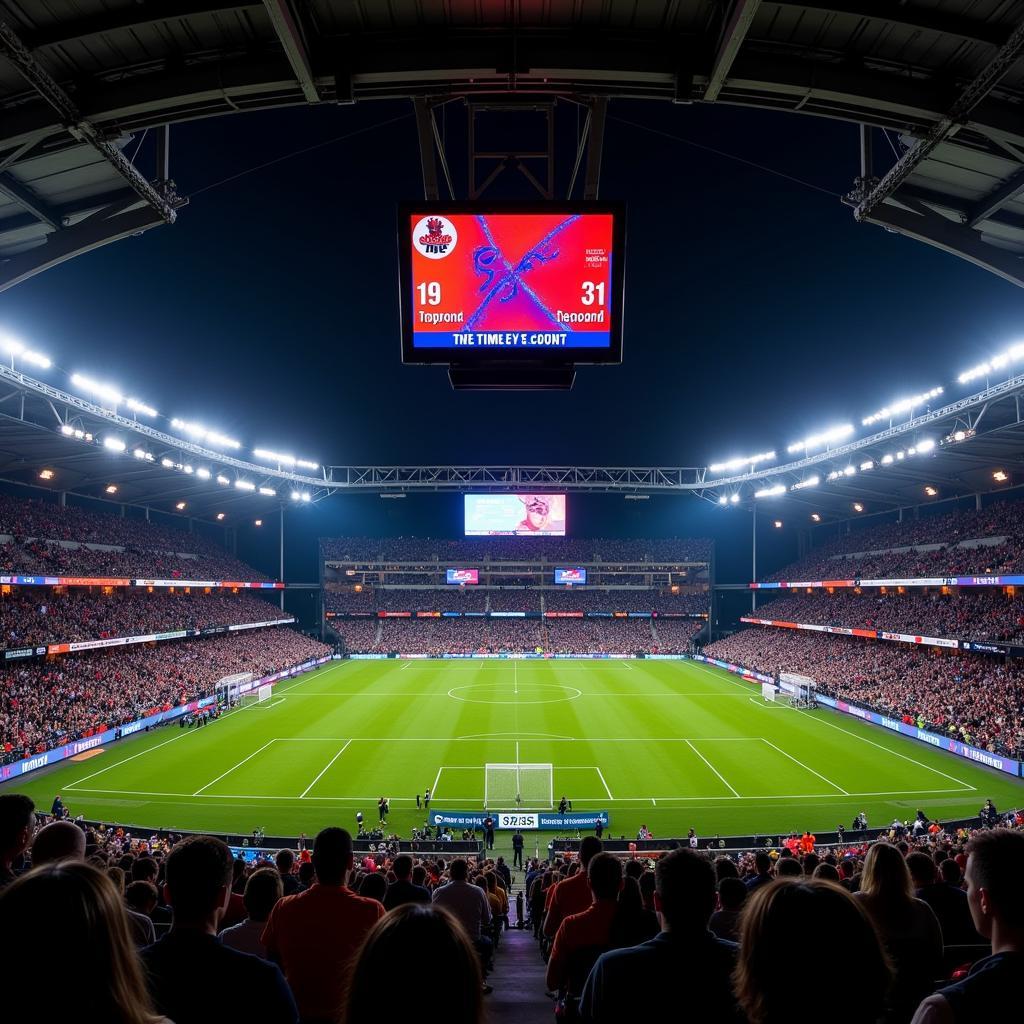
column 510, row 282
column 515, row 515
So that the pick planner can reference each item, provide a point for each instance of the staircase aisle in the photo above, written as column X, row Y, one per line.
column 518, row 982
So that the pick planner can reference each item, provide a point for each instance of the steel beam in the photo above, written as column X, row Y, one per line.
column 596, row 119
column 946, row 126
column 288, row 26
column 734, row 31
column 13, row 189
column 49, row 90
column 997, row 199
column 425, row 137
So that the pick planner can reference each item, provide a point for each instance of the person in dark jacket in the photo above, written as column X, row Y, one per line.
column 403, row 889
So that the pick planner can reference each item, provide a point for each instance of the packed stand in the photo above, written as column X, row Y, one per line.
column 676, row 636
column 969, row 613
column 452, row 599
column 513, row 600
column 46, row 703
column 29, row 616
column 972, row 697
column 48, row 538
column 347, row 602
column 933, row 546
column 476, row 550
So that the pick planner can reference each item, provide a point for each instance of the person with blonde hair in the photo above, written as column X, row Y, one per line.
column 65, row 921
column 776, row 981
column 907, row 926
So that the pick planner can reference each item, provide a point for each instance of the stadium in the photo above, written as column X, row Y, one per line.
column 482, row 502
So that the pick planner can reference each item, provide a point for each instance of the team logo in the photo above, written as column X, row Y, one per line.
column 434, row 237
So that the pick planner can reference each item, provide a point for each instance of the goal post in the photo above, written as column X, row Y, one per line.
column 768, row 692
column 229, row 688
column 525, row 786
column 800, row 689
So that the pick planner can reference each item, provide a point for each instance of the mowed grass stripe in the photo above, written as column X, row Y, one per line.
column 681, row 734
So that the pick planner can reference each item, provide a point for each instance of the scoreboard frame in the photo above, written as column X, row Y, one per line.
column 470, row 357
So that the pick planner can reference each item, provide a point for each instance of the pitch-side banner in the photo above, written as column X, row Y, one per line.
column 896, row 581
column 526, row 821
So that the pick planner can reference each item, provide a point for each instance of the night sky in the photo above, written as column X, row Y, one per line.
column 756, row 311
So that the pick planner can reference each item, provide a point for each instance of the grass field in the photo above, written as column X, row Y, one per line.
column 672, row 745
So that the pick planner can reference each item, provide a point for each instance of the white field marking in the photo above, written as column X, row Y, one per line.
column 603, row 783
column 590, row 799
column 437, row 779
column 239, row 765
column 653, row 801
column 517, row 753
column 527, row 735
column 405, row 666
column 264, row 705
column 726, row 677
column 767, row 705
column 515, row 673
column 721, row 777
column 125, row 760
column 804, row 766
column 329, row 763
column 624, row 696
column 888, row 750
column 521, row 735
column 308, row 679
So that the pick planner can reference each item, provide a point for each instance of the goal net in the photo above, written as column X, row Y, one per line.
column 527, row 786
column 229, row 688
column 799, row 689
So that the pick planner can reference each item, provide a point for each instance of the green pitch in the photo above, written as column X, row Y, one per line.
column 672, row 745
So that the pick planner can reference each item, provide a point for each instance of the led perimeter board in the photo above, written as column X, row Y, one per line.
column 514, row 515
column 486, row 282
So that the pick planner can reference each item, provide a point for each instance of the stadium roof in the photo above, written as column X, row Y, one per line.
column 80, row 80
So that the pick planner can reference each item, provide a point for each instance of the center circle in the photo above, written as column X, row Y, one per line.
column 503, row 696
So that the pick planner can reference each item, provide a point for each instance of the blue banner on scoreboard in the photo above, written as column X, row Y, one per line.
column 545, row 821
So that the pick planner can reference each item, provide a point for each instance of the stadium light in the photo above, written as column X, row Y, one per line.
column 180, row 506
column 108, row 393
column 268, row 491
column 926, row 445
column 19, row 350
column 115, row 444
column 858, row 507
column 849, row 471
column 815, row 518
column 201, row 433
column 141, row 453
column 811, row 481
column 203, row 473
column 890, row 412
column 46, row 474
column 740, row 462
column 723, row 500
column 930, row 491
column 735, row 498
column 245, row 485
column 167, row 463
column 770, row 492
column 999, row 362
column 826, row 437
column 259, row 522
column 886, row 460
column 284, row 460
column 220, row 516
column 1000, row 476
column 778, row 524
column 866, row 465
column 111, row 488
column 306, row 496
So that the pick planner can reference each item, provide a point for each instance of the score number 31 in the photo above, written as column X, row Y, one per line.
column 592, row 293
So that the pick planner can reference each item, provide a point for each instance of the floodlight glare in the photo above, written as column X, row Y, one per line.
column 999, row 362
column 867, row 464
column 723, row 500
column 245, row 485
column 770, row 492
column 268, row 491
column 202, row 473
column 201, row 433
column 826, row 437
column 811, row 481
column 903, row 405
column 926, row 445
column 735, row 498
column 115, row 444
column 740, row 462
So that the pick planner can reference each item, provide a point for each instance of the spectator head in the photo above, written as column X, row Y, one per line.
column 725, row 867
column 398, row 942
column 419, row 874
column 885, row 876
column 65, row 921
column 262, row 890
column 764, row 979
column 684, row 892
column 604, row 874
column 145, row 869
column 634, row 869
column 827, row 873
column 629, row 895
column 995, row 884
column 731, row 893
column 374, row 886
column 788, row 867
column 285, row 861
column 646, row 883
column 590, row 847
column 950, row 872
column 142, row 897
column 60, row 840
column 811, row 861
column 198, row 886
column 116, row 876
column 402, row 867
column 763, row 862
column 458, row 870
column 921, row 868
column 307, row 873
column 332, row 856
column 17, row 823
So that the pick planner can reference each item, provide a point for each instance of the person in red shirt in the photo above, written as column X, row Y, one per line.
column 807, row 842
column 315, row 935
column 572, row 895
column 590, row 929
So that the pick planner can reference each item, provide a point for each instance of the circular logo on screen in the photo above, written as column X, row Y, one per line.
column 434, row 237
